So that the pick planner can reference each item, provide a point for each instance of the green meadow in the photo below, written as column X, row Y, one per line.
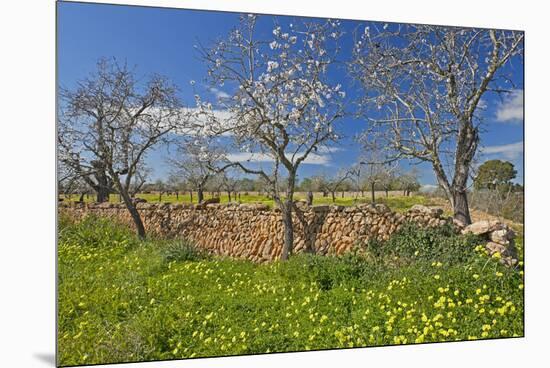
column 122, row 299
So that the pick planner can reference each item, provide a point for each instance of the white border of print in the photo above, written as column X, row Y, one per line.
column 27, row 185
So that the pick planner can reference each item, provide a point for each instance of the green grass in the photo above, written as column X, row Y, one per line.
column 397, row 203
column 124, row 300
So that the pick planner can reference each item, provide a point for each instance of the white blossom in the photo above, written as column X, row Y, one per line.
column 272, row 65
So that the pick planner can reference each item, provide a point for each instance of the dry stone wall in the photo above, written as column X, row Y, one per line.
column 255, row 232
column 499, row 239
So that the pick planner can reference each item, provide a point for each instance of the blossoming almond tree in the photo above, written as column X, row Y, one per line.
column 109, row 123
column 281, row 103
column 427, row 83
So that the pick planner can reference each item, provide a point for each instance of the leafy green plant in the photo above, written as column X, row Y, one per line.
column 95, row 231
column 182, row 250
column 413, row 243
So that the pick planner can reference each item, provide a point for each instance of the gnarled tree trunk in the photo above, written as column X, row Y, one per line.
column 461, row 212
column 286, row 212
column 102, row 191
column 140, row 228
column 200, row 194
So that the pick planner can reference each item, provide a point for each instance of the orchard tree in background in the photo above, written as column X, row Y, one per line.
column 495, row 174
column 377, row 175
column 423, row 89
column 109, row 122
column 334, row 183
column 229, row 184
column 160, row 188
column 306, row 185
column 197, row 162
column 246, row 185
column 281, row 104
column 387, row 181
column 378, row 169
column 408, row 182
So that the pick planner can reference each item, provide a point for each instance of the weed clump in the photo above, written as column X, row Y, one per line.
column 182, row 250
column 413, row 244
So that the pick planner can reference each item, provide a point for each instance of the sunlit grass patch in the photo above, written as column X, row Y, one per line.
column 395, row 202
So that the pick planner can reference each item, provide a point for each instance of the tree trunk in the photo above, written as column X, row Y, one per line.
column 386, row 193
column 200, row 195
column 102, row 193
column 140, row 228
column 104, row 185
column 373, row 200
column 137, row 220
column 333, row 197
column 309, row 198
column 461, row 211
column 286, row 212
column 191, row 196
column 229, row 196
column 81, row 199
column 456, row 193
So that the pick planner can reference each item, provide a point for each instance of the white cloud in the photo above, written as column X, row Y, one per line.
column 428, row 188
column 326, row 149
column 219, row 93
column 312, row 158
column 511, row 109
column 249, row 157
column 482, row 104
column 316, row 159
column 510, row 151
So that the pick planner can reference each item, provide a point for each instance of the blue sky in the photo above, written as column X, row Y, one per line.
column 161, row 41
